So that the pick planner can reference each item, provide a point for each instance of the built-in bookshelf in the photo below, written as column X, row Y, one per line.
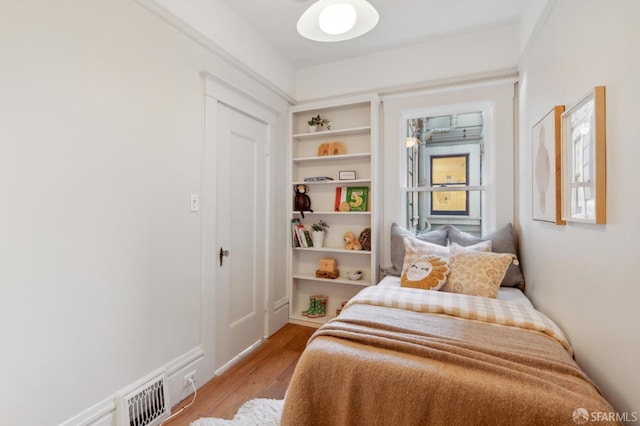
column 354, row 124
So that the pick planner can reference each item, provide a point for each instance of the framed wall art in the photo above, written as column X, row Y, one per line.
column 347, row 175
column 584, row 160
column 546, row 182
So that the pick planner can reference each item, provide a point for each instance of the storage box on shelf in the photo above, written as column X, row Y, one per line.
column 353, row 141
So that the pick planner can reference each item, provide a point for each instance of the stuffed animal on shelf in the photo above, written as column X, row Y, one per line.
column 350, row 241
column 301, row 201
column 365, row 239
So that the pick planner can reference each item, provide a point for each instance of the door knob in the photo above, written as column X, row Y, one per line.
column 223, row 253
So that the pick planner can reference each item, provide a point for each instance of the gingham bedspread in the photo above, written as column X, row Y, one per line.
column 462, row 306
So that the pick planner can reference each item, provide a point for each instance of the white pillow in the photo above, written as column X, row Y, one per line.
column 481, row 246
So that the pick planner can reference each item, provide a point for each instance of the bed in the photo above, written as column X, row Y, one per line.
column 406, row 356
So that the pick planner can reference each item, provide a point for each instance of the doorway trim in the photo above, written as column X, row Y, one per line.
column 217, row 91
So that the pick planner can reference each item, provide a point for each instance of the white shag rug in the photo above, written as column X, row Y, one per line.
column 256, row 412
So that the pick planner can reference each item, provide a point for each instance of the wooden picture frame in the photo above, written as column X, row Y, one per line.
column 546, row 167
column 584, row 159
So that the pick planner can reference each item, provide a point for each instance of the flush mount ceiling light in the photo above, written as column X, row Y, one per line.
column 337, row 20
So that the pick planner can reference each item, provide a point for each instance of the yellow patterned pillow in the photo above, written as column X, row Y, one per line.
column 427, row 273
column 476, row 273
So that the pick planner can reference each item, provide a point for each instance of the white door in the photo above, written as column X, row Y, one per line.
column 241, row 229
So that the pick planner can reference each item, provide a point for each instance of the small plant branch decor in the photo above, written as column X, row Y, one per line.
column 318, row 121
column 320, row 226
column 318, row 231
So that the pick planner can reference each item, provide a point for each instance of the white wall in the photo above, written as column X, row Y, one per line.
column 101, row 116
column 584, row 276
column 473, row 55
column 231, row 37
column 533, row 15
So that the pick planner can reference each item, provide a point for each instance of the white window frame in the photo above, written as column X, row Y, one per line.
column 488, row 206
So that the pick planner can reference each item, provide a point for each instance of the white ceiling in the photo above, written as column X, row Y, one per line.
column 402, row 23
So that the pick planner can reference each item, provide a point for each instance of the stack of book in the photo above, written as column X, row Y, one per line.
column 300, row 236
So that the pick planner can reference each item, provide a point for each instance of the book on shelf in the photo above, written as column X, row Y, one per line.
column 300, row 236
column 303, row 240
column 307, row 238
column 341, row 196
column 351, row 198
column 357, row 198
column 295, row 237
column 318, row 179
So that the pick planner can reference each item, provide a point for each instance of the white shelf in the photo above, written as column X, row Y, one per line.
column 300, row 319
column 332, row 213
column 338, row 132
column 331, row 157
column 334, row 250
column 355, row 124
column 332, row 182
column 308, row 277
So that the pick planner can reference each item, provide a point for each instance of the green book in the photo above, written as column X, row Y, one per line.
column 357, row 198
column 307, row 236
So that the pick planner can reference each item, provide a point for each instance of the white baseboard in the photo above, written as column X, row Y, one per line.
column 101, row 414
column 104, row 412
column 238, row 357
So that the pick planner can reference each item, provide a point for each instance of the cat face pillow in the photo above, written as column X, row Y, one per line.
column 427, row 273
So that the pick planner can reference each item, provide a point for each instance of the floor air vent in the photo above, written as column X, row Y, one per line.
column 146, row 404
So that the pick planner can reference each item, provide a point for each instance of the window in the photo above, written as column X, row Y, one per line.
column 450, row 171
column 444, row 164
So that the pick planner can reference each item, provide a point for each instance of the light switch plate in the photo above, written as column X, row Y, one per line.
column 195, row 202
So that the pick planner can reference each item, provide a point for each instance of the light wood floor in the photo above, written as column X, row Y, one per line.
column 264, row 373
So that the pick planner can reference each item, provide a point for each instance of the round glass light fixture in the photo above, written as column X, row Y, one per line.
column 337, row 20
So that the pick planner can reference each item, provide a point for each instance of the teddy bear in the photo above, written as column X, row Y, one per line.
column 351, row 242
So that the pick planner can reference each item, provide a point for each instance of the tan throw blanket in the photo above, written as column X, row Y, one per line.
column 380, row 365
column 462, row 306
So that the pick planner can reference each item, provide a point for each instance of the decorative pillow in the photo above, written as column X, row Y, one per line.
column 427, row 273
column 476, row 273
column 438, row 236
column 501, row 242
column 414, row 248
column 484, row 246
